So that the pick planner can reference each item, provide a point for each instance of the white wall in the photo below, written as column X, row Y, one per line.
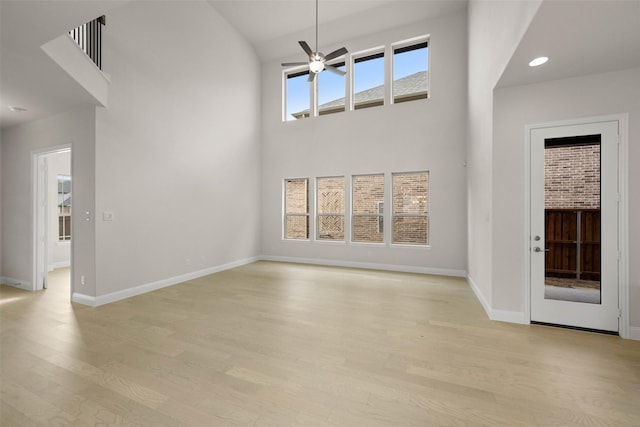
column 1, row 210
column 515, row 107
column 76, row 127
column 494, row 30
column 419, row 135
column 59, row 252
column 178, row 149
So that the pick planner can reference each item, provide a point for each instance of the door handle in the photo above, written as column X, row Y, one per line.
column 538, row 249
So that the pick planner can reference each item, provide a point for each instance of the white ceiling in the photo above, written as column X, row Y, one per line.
column 273, row 27
column 28, row 77
column 580, row 37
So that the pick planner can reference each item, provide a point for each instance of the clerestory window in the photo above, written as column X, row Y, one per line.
column 410, row 71
column 368, row 80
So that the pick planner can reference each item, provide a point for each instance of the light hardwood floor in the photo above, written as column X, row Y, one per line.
column 272, row 344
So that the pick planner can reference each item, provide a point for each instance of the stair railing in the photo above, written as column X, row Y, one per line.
column 89, row 37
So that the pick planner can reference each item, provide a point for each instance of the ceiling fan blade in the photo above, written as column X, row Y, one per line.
column 312, row 77
column 293, row 64
column 336, row 53
column 334, row 70
column 306, row 48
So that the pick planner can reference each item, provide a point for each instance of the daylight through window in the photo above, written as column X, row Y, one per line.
column 298, row 96
column 368, row 81
column 331, row 90
column 410, row 72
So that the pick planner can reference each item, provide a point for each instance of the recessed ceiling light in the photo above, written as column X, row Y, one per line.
column 17, row 109
column 538, row 61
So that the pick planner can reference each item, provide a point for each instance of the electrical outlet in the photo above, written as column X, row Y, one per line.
column 82, row 280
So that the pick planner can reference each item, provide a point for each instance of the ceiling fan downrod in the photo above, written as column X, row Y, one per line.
column 317, row 60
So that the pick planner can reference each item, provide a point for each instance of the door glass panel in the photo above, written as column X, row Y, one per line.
column 572, row 219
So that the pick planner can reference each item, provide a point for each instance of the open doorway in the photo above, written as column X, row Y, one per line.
column 53, row 227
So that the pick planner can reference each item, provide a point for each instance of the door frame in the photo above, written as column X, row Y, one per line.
column 623, row 211
column 36, row 177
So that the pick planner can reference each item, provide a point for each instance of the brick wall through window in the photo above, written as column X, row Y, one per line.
column 572, row 177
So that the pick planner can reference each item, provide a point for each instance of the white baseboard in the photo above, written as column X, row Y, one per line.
column 148, row 287
column 634, row 333
column 493, row 314
column 367, row 266
column 508, row 316
column 16, row 283
column 479, row 295
column 83, row 299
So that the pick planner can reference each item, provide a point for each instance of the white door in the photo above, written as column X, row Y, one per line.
column 574, row 225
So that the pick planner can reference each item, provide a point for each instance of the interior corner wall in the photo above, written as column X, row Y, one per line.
column 494, row 30
column 178, row 148
column 76, row 127
column 1, row 210
column 516, row 107
column 412, row 136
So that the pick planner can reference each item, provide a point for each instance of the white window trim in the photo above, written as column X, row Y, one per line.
column 64, row 177
column 285, row 214
column 426, row 215
column 404, row 43
column 349, row 60
column 352, row 64
column 343, row 214
column 316, row 85
column 285, row 74
column 353, row 214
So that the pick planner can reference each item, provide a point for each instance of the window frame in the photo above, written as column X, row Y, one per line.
column 403, row 215
column 404, row 44
column 286, row 214
column 317, row 87
column 370, row 215
column 343, row 214
column 361, row 56
column 66, row 235
column 292, row 73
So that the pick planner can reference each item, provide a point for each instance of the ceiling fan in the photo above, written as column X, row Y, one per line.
column 318, row 60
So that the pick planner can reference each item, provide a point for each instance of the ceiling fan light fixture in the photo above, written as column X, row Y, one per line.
column 316, row 66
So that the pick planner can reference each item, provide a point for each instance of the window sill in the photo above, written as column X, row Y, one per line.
column 379, row 244
column 410, row 245
column 331, row 242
